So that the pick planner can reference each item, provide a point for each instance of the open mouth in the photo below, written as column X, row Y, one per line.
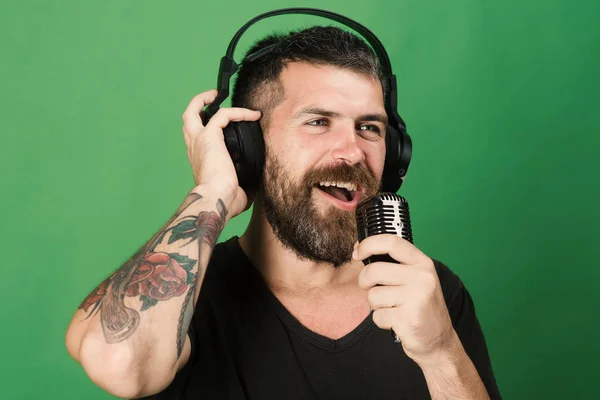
column 342, row 191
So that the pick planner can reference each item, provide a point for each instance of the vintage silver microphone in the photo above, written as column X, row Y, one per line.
column 383, row 213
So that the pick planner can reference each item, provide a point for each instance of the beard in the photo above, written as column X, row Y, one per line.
column 296, row 221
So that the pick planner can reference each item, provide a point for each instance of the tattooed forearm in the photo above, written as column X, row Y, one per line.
column 118, row 321
column 185, row 316
column 210, row 224
column 208, row 227
column 151, row 275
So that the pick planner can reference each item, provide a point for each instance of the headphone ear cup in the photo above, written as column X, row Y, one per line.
column 392, row 174
column 246, row 147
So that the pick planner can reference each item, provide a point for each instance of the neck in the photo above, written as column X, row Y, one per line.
column 282, row 269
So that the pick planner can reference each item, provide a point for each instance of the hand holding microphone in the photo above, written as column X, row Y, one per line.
column 403, row 287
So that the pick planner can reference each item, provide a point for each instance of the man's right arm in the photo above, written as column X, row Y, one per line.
column 130, row 333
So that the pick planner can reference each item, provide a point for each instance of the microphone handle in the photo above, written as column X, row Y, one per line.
column 383, row 258
column 379, row 257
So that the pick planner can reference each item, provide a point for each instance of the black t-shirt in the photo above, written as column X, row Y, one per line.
column 246, row 345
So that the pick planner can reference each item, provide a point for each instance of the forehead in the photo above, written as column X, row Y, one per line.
column 330, row 87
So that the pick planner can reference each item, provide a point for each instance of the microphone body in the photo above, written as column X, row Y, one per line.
column 384, row 213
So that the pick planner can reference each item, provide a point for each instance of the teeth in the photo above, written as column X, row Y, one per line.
column 345, row 185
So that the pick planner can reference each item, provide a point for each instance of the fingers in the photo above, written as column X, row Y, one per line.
column 399, row 249
column 386, row 318
column 383, row 273
column 226, row 115
column 192, row 121
column 186, row 137
column 191, row 115
column 386, row 296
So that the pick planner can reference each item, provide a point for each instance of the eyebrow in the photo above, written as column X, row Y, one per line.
column 332, row 114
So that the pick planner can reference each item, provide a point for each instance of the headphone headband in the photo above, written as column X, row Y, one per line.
column 363, row 30
column 229, row 67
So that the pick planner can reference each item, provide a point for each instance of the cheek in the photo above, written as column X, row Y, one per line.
column 375, row 158
column 285, row 163
column 298, row 164
column 296, row 157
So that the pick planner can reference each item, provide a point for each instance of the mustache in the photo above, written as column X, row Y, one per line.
column 357, row 174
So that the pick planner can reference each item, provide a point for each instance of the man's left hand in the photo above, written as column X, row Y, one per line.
column 406, row 297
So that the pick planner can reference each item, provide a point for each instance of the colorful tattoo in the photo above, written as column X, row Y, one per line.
column 156, row 276
column 208, row 227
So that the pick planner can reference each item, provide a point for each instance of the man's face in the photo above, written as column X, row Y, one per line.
column 325, row 151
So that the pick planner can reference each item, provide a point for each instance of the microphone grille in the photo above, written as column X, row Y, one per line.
column 384, row 213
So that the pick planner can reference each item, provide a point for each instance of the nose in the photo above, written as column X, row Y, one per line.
column 347, row 148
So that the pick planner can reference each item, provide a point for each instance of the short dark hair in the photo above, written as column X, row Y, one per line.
column 258, row 87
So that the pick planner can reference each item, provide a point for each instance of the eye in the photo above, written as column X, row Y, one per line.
column 318, row 122
column 370, row 131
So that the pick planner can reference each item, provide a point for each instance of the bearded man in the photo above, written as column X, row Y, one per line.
column 288, row 310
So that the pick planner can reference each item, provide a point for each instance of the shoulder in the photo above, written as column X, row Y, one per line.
column 226, row 254
column 449, row 281
column 221, row 261
column 230, row 278
column 458, row 299
column 213, row 280
column 461, row 309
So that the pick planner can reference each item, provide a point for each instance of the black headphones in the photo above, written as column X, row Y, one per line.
column 244, row 140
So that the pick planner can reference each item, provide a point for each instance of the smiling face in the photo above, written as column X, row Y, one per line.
column 325, row 151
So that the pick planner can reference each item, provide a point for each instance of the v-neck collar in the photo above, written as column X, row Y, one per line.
column 291, row 322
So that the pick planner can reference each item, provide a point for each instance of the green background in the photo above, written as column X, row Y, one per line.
column 501, row 99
